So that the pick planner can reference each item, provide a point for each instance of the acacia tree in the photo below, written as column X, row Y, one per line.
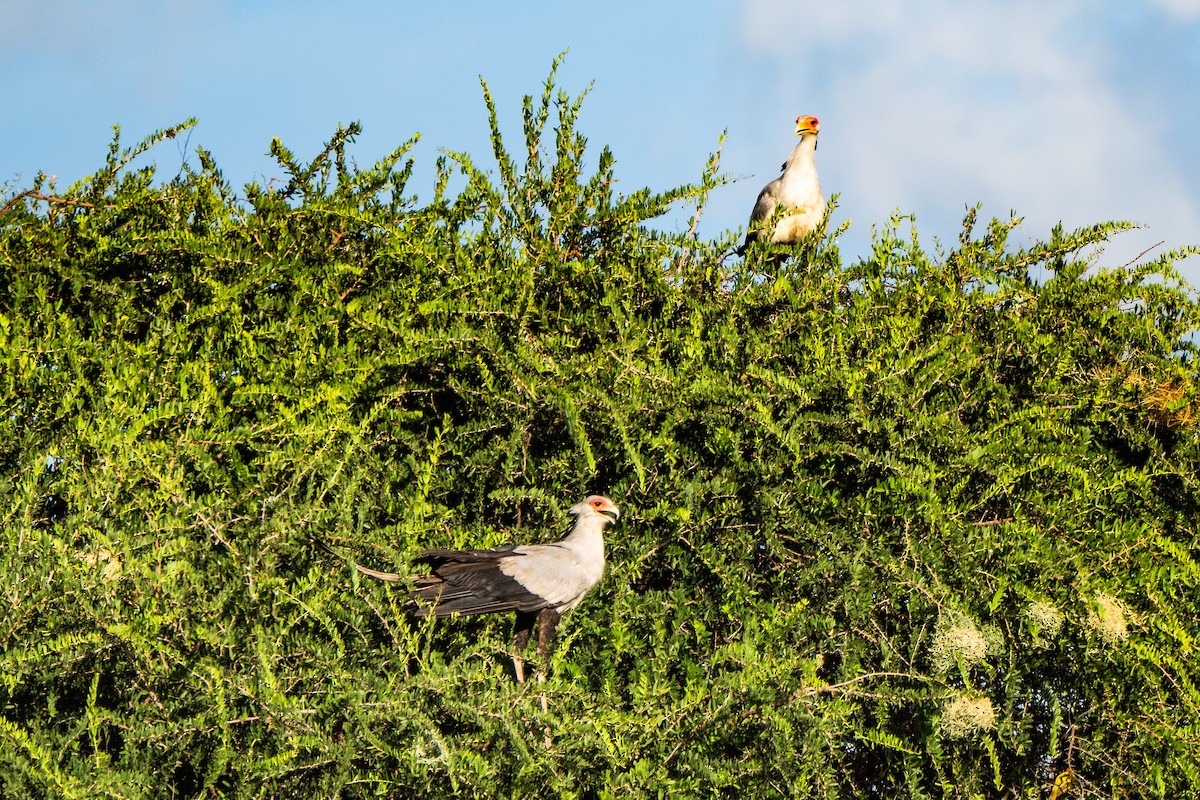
column 907, row 527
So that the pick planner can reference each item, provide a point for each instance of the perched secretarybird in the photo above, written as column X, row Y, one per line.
column 797, row 191
column 537, row 581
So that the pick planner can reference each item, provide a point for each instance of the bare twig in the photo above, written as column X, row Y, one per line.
column 51, row 198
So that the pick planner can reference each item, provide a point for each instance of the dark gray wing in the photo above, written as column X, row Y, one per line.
column 471, row 582
column 764, row 207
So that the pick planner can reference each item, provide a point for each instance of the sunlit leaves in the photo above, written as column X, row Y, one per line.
column 920, row 524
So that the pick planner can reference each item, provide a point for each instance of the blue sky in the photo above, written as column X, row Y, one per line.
column 1073, row 111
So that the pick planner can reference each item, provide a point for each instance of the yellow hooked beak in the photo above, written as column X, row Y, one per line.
column 807, row 125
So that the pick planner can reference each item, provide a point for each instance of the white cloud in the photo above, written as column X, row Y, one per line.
column 1180, row 9
column 81, row 33
column 929, row 107
column 144, row 47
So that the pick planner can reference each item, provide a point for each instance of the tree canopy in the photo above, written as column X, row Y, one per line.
column 922, row 525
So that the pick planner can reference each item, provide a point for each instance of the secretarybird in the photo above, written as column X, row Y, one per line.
column 797, row 192
column 537, row 581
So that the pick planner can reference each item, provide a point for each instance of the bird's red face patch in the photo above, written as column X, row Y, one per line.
column 602, row 505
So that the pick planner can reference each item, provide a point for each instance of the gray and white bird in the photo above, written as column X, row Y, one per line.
column 797, row 191
column 537, row 581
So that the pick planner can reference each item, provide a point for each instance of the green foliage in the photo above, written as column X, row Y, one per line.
column 911, row 527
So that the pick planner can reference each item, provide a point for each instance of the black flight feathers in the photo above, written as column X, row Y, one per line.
column 471, row 582
column 461, row 581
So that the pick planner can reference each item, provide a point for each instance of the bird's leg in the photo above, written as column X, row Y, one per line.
column 547, row 624
column 522, row 628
